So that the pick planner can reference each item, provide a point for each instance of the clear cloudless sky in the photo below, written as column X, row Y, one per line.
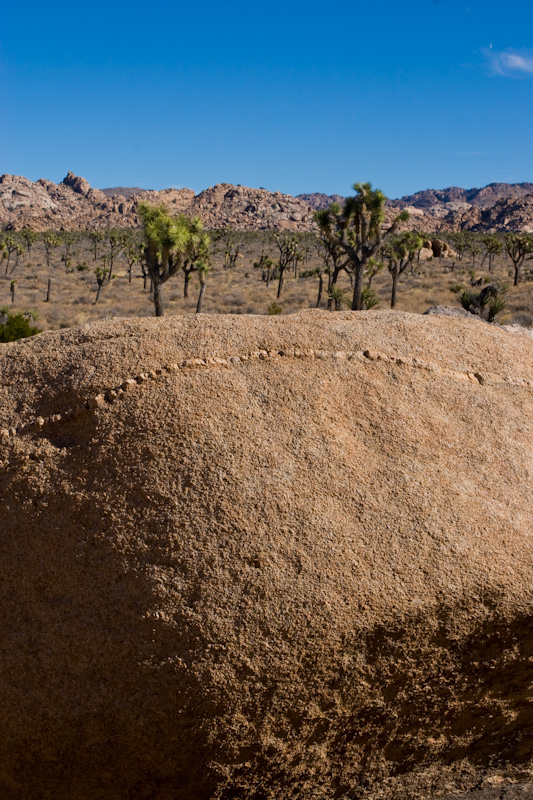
column 295, row 96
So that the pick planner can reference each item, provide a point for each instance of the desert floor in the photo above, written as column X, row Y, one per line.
column 237, row 290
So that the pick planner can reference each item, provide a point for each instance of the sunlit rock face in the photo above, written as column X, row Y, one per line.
column 267, row 557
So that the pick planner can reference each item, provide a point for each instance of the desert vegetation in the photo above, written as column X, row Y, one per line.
column 69, row 278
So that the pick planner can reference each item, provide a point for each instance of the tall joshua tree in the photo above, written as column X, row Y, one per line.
column 334, row 256
column 288, row 249
column 519, row 247
column 198, row 254
column 357, row 231
column 168, row 242
column 401, row 252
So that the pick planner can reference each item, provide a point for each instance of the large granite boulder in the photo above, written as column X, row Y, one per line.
column 268, row 558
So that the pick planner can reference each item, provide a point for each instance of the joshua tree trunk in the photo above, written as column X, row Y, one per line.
column 48, row 290
column 186, row 284
column 158, row 298
column 200, row 298
column 320, row 288
column 394, row 288
column 357, row 301
column 280, row 282
column 332, row 280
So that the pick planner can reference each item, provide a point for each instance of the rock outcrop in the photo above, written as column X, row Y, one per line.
column 74, row 205
column 514, row 214
column 266, row 557
column 317, row 200
column 70, row 205
column 439, row 202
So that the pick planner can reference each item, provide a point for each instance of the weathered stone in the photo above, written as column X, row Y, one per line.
column 304, row 577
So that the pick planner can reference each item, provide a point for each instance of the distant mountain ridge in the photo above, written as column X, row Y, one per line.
column 447, row 199
column 74, row 205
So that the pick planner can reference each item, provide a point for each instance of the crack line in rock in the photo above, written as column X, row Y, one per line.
column 108, row 396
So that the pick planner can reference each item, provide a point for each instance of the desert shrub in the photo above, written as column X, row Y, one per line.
column 274, row 309
column 339, row 297
column 17, row 326
column 488, row 303
column 524, row 319
column 466, row 299
column 495, row 306
column 82, row 267
column 235, row 298
column 456, row 288
column 369, row 298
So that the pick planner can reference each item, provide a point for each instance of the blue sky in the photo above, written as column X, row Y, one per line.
column 295, row 96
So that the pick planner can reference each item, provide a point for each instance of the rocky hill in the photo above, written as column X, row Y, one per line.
column 440, row 202
column 74, row 205
column 267, row 557
column 317, row 200
column 508, row 214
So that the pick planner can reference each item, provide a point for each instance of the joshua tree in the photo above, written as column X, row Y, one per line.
column 28, row 237
column 117, row 243
column 493, row 247
column 10, row 246
column 232, row 249
column 475, row 250
column 101, row 275
column 68, row 240
column 197, row 257
column 265, row 265
column 401, row 252
column 372, row 269
column 288, row 247
column 168, row 242
column 96, row 238
column 357, row 230
column 202, row 268
column 519, row 247
column 18, row 250
column 335, row 259
column 317, row 273
column 50, row 241
column 460, row 242
column 132, row 255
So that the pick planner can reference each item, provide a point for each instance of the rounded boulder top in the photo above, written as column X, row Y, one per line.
column 266, row 557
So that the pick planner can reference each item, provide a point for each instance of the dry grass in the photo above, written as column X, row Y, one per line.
column 239, row 290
